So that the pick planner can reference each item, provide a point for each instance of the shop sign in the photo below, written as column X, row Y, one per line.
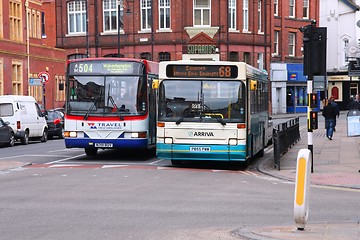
column 201, row 49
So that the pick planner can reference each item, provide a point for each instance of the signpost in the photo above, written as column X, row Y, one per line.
column 45, row 77
column 35, row 82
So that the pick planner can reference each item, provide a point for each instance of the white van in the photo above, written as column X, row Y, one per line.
column 25, row 117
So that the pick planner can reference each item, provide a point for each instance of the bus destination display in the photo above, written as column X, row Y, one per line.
column 201, row 71
column 104, row 67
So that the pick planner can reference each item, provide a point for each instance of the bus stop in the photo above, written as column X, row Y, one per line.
column 353, row 123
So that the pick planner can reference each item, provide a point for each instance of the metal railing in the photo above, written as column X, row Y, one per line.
column 284, row 136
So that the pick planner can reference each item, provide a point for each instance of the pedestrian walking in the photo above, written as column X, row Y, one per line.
column 332, row 101
column 355, row 103
column 329, row 113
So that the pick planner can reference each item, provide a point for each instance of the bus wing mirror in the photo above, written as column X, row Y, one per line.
column 155, row 84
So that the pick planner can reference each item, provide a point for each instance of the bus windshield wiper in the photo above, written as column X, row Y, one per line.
column 115, row 106
column 183, row 115
column 91, row 107
column 219, row 119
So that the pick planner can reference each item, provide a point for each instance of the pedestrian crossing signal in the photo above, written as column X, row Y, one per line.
column 313, row 100
column 313, row 120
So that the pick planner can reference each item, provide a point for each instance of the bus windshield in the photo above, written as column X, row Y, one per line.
column 203, row 101
column 106, row 95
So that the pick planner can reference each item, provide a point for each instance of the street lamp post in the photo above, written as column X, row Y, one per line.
column 118, row 27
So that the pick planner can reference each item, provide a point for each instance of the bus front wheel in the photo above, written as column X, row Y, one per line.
column 91, row 151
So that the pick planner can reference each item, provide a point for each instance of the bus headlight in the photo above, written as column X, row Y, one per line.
column 233, row 142
column 168, row 140
column 138, row 135
column 70, row 134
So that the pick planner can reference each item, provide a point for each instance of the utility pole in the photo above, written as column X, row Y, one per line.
column 118, row 26
column 314, row 43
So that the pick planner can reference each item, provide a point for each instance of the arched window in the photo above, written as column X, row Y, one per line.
column 164, row 56
column 234, row 56
column 145, row 55
column 76, row 56
column 247, row 57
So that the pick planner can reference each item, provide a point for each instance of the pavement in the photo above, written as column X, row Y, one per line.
column 336, row 164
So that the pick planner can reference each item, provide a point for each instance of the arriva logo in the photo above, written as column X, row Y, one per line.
column 201, row 134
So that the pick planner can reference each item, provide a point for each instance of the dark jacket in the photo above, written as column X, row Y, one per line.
column 329, row 112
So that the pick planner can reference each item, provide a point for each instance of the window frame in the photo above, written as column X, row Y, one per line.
column 232, row 15
column 245, row 15
column 292, row 44
column 145, row 15
column 164, row 14
column 75, row 13
column 202, row 10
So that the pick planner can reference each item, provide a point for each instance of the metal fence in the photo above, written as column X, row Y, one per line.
column 284, row 136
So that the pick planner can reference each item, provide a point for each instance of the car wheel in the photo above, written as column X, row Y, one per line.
column 11, row 140
column 25, row 139
column 91, row 151
column 44, row 137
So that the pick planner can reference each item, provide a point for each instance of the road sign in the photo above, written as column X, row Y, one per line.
column 35, row 81
column 44, row 76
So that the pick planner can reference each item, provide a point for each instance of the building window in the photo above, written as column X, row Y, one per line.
column 259, row 16
column 164, row 56
column 291, row 8
column 34, row 23
column 114, row 55
column 17, row 78
column 145, row 55
column 306, row 9
column 202, row 12
column 291, row 49
column 261, row 61
column 77, row 56
column 111, row 14
column 15, row 15
column 234, row 56
column 164, row 14
column 60, row 88
column 246, row 15
column 146, row 17
column 76, row 17
column 232, row 14
column 247, row 57
column 43, row 33
column 276, row 42
column 276, row 8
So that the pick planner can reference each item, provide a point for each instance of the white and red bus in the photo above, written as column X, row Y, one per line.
column 110, row 104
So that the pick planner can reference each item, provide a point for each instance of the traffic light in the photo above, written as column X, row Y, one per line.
column 313, row 100
column 313, row 120
column 314, row 49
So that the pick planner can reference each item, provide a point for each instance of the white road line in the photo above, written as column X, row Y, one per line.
column 155, row 162
column 65, row 159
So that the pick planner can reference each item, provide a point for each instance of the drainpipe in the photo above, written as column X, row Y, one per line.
column 27, row 38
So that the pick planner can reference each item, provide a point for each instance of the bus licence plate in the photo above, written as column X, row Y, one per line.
column 200, row 149
column 107, row 145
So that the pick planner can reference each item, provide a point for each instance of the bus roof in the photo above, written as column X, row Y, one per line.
column 244, row 69
column 152, row 67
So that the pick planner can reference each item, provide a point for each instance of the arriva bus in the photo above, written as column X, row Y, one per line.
column 211, row 110
column 110, row 104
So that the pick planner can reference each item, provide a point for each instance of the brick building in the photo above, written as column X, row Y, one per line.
column 288, row 84
column 27, row 48
column 236, row 30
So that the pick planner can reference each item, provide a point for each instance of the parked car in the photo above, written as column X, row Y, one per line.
column 55, row 122
column 7, row 136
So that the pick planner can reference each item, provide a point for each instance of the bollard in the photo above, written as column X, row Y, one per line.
column 302, row 188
